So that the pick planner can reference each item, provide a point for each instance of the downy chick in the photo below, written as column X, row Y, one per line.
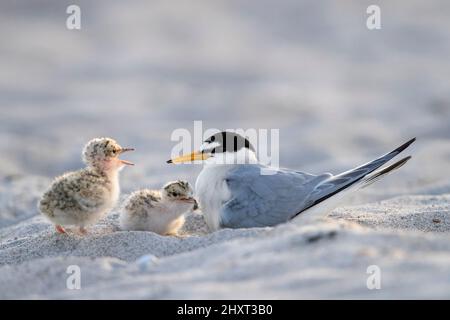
column 160, row 211
column 83, row 197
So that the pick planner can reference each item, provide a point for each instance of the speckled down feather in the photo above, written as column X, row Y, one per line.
column 85, row 189
column 178, row 189
column 160, row 211
column 81, row 198
column 140, row 200
column 100, row 149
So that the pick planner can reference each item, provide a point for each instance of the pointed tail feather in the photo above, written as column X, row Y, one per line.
column 377, row 175
column 340, row 182
column 373, row 165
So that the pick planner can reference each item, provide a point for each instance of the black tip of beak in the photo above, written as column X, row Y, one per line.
column 169, row 161
column 195, row 205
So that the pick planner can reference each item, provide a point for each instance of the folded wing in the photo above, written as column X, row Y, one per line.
column 259, row 200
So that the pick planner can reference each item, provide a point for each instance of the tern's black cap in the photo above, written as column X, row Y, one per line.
column 229, row 142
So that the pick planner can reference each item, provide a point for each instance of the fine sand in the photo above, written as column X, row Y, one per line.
column 339, row 94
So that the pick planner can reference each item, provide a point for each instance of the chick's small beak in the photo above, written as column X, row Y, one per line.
column 197, row 155
column 196, row 206
column 125, row 161
column 191, row 200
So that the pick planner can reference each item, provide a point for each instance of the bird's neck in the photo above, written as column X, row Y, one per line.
column 111, row 173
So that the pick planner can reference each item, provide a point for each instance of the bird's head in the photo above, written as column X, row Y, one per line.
column 179, row 191
column 222, row 148
column 103, row 154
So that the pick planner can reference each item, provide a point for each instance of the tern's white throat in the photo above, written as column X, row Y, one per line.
column 241, row 156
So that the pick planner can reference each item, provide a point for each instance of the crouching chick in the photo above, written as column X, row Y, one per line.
column 160, row 211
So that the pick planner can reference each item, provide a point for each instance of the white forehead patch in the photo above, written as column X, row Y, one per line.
column 209, row 145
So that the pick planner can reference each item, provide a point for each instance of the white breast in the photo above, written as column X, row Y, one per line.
column 115, row 190
column 212, row 191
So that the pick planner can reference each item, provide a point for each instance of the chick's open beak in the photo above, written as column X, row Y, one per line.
column 197, row 155
column 125, row 161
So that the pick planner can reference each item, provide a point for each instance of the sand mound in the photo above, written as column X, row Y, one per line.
column 36, row 238
column 326, row 258
column 339, row 94
column 423, row 213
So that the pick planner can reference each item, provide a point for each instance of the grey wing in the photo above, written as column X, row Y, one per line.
column 259, row 200
column 361, row 174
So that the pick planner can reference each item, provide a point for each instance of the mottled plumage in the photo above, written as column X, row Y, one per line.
column 82, row 197
column 160, row 211
column 80, row 193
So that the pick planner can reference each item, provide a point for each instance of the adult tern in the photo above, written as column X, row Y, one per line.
column 236, row 191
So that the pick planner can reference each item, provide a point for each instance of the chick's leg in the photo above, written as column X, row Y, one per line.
column 59, row 229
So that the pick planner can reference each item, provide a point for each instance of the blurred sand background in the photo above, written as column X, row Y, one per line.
column 339, row 93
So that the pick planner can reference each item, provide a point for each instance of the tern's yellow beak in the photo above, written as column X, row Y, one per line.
column 197, row 155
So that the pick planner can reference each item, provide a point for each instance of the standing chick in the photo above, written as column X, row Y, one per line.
column 82, row 197
column 161, row 212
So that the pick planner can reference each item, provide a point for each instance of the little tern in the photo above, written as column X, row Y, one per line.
column 83, row 197
column 234, row 192
column 160, row 211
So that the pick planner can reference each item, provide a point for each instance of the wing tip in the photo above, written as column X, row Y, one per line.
column 405, row 145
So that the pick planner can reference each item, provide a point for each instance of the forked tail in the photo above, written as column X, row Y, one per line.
column 361, row 176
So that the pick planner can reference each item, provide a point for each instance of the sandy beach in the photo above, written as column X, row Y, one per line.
column 339, row 94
